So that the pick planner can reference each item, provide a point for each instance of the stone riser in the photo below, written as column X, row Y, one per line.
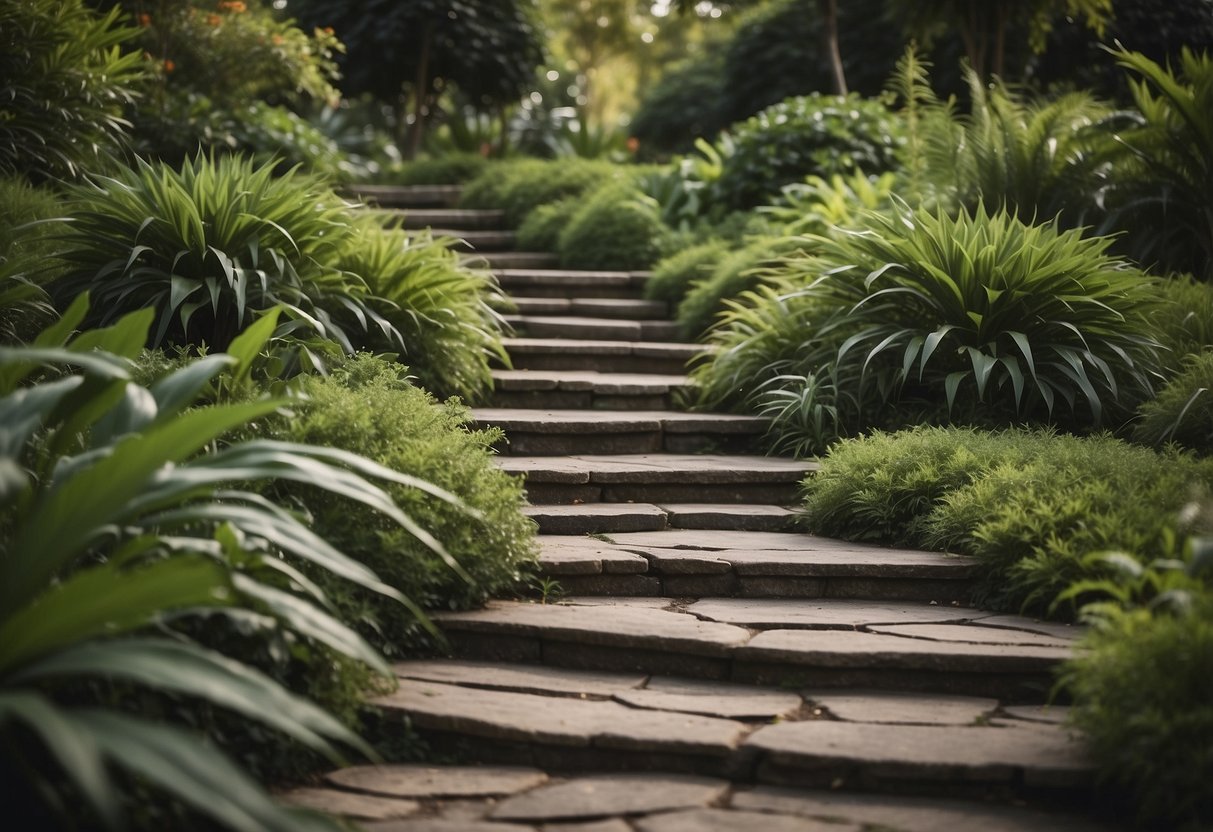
column 519, row 259
column 408, row 196
column 582, row 400
column 605, row 329
column 778, row 493
column 452, row 218
column 757, row 586
column 484, row 242
column 598, row 363
column 555, row 444
column 612, row 308
column 645, row 517
column 1017, row 687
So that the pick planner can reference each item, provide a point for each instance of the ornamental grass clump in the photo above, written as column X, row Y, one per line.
column 976, row 318
column 209, row 247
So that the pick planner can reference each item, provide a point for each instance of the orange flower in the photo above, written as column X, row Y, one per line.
column 214, row 19
column 277, row 39
column 633, row 144
column 145, row 20
column 233, row 6
column 328, row 30
column 169, row 66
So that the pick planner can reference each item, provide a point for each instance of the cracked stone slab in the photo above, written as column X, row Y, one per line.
column 429, row 782
column 855, row 649
column 600, row 517
column 349, row 804
column 618, row 626
column 809, row 563
column 721, row 540
column 589, row 380
column 824, row 613
column 443, row 825
column 917, row 752
column 905, row 708
column 684, row 562
column 616, row 421
column 561, row 721
column 580, row 346
column 749, row 517
column 611, row 795
column 519, row 678
column 732, row 820
column 718, row 699
column 609, row 825
column 578, row 555
column 1047, row 628
column 972, row 634
column 907, row 814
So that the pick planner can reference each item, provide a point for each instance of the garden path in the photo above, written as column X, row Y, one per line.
column 699, row 665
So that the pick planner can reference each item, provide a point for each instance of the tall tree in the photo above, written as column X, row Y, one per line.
column 406, row 52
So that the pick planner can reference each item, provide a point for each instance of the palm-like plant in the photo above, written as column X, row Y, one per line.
column 119, row 515
column 441, row 308
column 1162, row 166
column 211, row 245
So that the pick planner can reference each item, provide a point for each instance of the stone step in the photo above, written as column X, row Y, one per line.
column 662, row 357
column 820, row 643
column 588, row 390
column 546, row 282
column 592, row 328
column 518, row 260
column 659, row 478
column 560, row 432
column 499, row 798
column 607, row 518
column 406, row 196
column 685, row 562
column 454, row 218
column 625, row 308
column 488, row 243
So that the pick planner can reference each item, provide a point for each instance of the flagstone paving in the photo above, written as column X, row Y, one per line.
column 695, row 664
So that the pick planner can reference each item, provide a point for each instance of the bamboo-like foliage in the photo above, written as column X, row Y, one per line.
column 119, row 514
column 209, row 246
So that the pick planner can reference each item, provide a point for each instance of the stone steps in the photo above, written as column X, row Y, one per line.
column 406, row 196
column 819, row 643
column 569, row 389
column 661, row 357
column 552, row 283
column 515, row 798
column 581, row 327
column 658, row 478
column 485, row 242
column 626, row 308
column 517, row 260
column 605, row 518
column 681, row 561
column 454, row 218
column 562, row 432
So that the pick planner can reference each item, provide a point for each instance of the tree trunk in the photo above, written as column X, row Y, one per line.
column 421, row 95
column 829, row 16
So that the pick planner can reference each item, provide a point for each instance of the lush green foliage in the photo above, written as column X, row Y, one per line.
column 520, row 186
column 1030, row 505
column 617, row 227
column 1183, row 410
column 1183, row 321
column 673, row 275
column 367, row 405
column 447, row 169
column 1141, row 688
column 684, row 105
column 810, row 135
column 817, row 206
column 1162, row 173
column 737, row 272
column 24, row 251
column 977, row 316
column 209, row 247
column 540, row 231
column 438, row 308
column 64, row 83
column 122, row 518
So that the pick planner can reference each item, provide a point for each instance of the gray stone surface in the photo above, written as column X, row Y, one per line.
column 1048, row 628
column 1047, row 714
column 596, row 517
column 610, row 795
column 823, row 613
column 428, row 782
column 522, row 678
column 906, row 708
column 660, row 468
column 442, row 825
column 907, row 814
column 718, row 699
column 349, row 804
column 725, row 516
column 721, row 540
column 972, row 634
column 561, row 721
column 630, row 626
column 735, row 820
column 580, row 555
column 854, row 649
column 609, row 825
column 589, row 380
column 920, row 753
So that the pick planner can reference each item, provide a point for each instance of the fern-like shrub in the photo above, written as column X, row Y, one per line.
column 808, row 135
column 1031, row 505
column 368, row 404
column 974, row 317
column 741, row 270
column 674, row 274
column 519, row 186
column 540, row 231
column 1183, row 320
column 617, row 227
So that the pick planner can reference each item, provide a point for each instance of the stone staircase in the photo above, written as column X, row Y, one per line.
column 689, row 661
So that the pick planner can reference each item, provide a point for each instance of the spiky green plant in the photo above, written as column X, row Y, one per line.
column 211, row 245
